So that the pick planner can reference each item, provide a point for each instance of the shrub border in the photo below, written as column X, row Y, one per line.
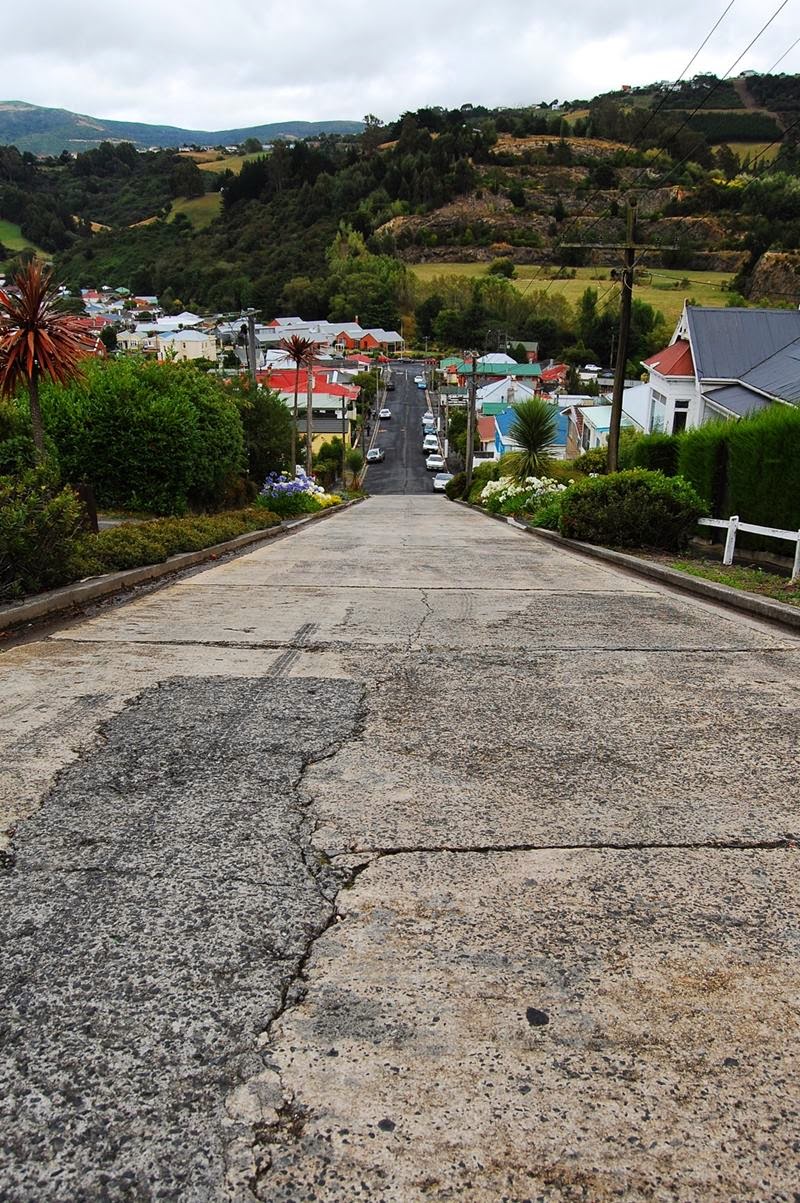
column 748, row 603
column 54, row 601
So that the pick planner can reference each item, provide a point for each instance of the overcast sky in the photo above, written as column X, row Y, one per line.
column 216, row 64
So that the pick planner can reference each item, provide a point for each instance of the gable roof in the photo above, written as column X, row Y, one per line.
column 675, row 360
column 729, row 343
column 736, row 399
column 779, row 375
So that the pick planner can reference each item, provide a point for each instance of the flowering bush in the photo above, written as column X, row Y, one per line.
column 287, row 496
column 509, row 496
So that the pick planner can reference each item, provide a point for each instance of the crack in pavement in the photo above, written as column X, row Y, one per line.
column 133, row 998
column 788, row 842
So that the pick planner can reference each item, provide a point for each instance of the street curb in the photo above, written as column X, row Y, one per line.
column 747, row 603
column 54, row 601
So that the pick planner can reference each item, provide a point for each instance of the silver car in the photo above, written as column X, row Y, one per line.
column 440, row 480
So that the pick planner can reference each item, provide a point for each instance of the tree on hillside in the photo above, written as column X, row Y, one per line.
column 37, row 340
column 301, row 352
column 534, row 429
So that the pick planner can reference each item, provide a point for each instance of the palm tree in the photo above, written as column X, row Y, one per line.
column 301, row 352
column 37, row 340
column 534, row 430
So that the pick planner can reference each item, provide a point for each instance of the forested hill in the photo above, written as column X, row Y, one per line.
column 50, row 131
column 524, row 184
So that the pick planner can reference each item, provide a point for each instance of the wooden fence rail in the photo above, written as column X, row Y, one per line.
column 734, row 525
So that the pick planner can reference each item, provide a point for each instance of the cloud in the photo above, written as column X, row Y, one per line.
column 203, row 65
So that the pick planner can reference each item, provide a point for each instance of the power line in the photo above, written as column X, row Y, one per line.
column 660, row 182
column 632, row 144
column 783, row 56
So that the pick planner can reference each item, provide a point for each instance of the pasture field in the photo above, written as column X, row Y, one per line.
column 663, row 289
column 201, row 210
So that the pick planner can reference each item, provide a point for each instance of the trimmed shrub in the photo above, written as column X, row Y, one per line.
column 592, row 462
column 632, row 509
column 763, row 478
column 703, row 461
column 147, row 436
column 454, row 489
column 39, row 523
column 656, row 453
column 133, row 545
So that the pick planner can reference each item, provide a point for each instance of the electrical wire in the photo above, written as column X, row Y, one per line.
column 632, row 144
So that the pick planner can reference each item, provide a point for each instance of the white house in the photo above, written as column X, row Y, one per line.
column 187, row 344
column 724, row 363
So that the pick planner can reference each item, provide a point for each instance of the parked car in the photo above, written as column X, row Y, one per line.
column 440, row 480
column 430, row 443
column 390, row 385
column 421, row 383
column 435, row 462
column 376, row 455
column 385, row 413
column 419, row 379
column 428, row 417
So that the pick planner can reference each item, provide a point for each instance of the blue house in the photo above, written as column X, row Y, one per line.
column 503, row 442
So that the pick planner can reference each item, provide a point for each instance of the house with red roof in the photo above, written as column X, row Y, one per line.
column 724, row 363
column 333, row 404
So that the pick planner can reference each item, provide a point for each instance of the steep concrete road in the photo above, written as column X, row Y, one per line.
column 403, row 470
column 406, row 858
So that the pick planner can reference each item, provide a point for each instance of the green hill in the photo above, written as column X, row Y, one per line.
column 46, row 131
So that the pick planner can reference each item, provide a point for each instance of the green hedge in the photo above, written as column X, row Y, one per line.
column 631, row 509
column 656, row 453
column 146, row 435
column 133, row 545
column 750, row 468
column 703, row 460
column 39, row 522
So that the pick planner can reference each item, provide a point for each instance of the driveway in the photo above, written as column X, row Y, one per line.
column 404, row 858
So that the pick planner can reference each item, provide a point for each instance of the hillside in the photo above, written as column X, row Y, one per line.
column 46, row 131
column 467, row 185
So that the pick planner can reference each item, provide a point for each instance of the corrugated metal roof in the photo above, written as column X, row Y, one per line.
column 779, row 375
column 728, row 343
column 737, row 399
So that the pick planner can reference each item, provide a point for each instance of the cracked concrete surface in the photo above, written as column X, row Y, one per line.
column 410, row 858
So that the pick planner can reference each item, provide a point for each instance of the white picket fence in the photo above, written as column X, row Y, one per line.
column 733, row 525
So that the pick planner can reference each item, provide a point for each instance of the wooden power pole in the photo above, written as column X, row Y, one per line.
column 473, row 383
column 624, row 338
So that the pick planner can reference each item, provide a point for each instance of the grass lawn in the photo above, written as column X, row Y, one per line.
column 750, row 580
column 11, row 237
column 662, row 290
column 744, row 149
column 201, row 210
column 233, row 163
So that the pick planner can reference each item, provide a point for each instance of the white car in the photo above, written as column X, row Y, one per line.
column 385, row 413
column 428, row 417
column 435, row 462
column 440, row 480
column 430, row 443
column 376, row 455
column 419, row 379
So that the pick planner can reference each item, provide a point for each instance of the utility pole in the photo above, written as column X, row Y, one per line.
column 251, row 342
column 473, row 384
column 624, row 338
column 630, row 247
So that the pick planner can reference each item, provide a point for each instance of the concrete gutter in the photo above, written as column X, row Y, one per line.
column 42, row 605
column 737, row 599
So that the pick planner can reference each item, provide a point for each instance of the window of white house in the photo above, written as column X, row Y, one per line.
column 681, row 414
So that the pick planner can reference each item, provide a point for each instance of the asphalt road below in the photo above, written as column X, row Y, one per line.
column 403, row 470
column 406, row 858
